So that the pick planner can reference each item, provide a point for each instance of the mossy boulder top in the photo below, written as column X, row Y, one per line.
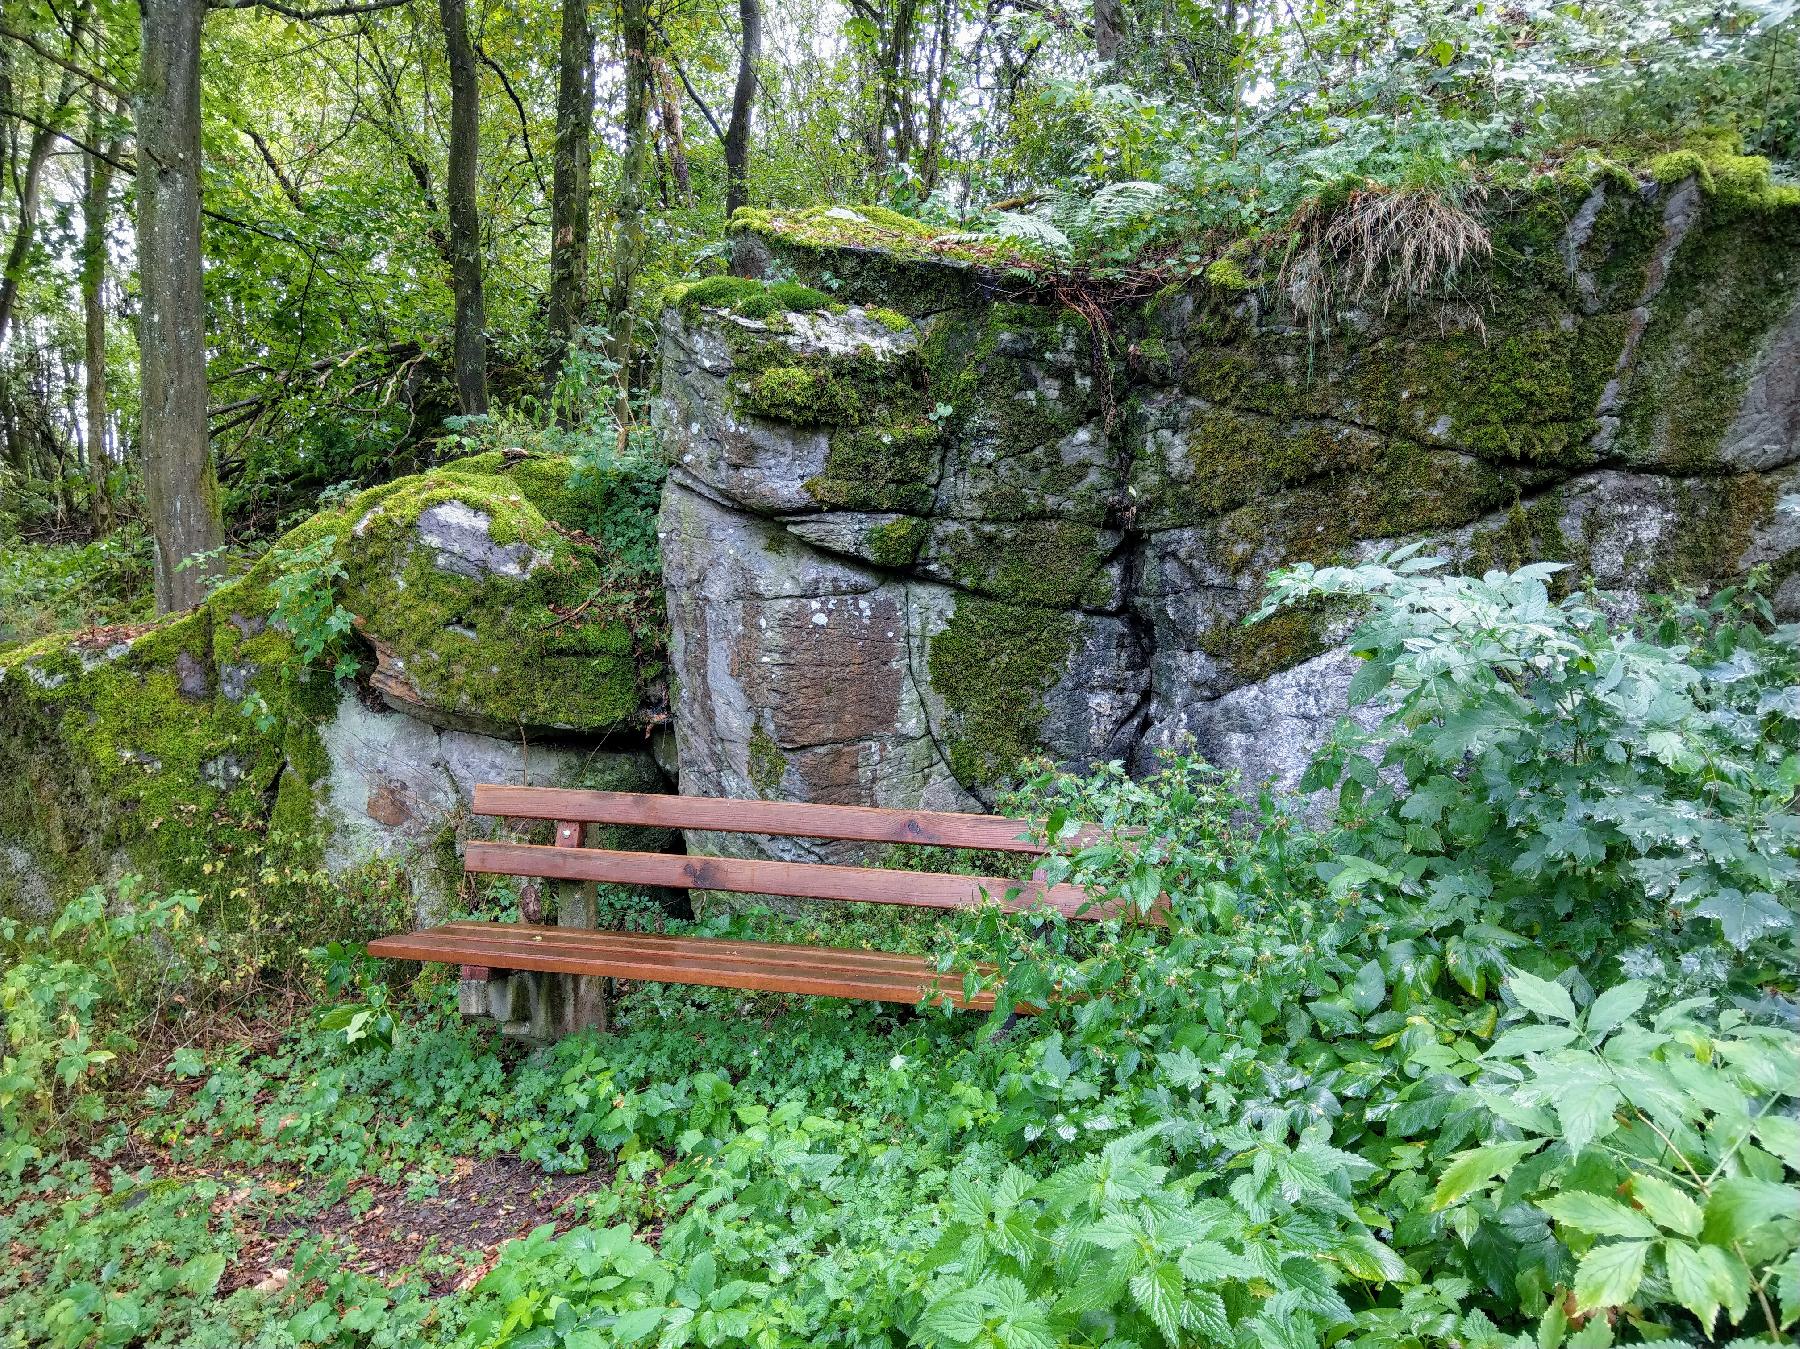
column 895, row 567
column 485, row 611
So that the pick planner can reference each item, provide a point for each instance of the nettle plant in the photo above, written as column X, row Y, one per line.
column 1572, row 774
column 1664, row 1149
column 305, row 587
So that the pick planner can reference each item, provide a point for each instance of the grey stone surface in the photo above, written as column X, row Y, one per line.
column 393, row 785
column 461, row 541
column 802, row 636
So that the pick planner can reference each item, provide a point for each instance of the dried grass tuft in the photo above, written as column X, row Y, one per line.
column 1381, row 245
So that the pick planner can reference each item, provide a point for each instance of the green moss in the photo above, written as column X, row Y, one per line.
column 897, row 543
column 747, row 296
column 1532, row 531
column 1715, row 521
column 1049, row 563
column 565, row 642
column 1730, row 284
column 767, row 764
column 802, row 396
column 1227, row 458
column 885, row 466
column 1526, row 396
column 1254, row 651
column 1228, row 274
column 893, row 321
column 992, row 664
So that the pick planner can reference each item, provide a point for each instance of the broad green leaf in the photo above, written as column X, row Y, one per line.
column 1158, row 1290
column 1780, row 1134
column 1704, row 1278
column 1744, row 917
column 1597, row 1215
column 1541, row 996
column 1522, row 1040
column 1587, row 1115
column 1473, row 1168
column 1615, row 1006
column 1666, row 1204
column 1609, row 1274
column 1369, row 989
column 1740, row 1205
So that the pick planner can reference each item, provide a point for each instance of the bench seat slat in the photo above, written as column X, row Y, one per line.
column 700, row 948
column 799, row 880
column 793, row 819
column 816, row 970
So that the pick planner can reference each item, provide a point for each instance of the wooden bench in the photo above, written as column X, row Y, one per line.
column 484, row 947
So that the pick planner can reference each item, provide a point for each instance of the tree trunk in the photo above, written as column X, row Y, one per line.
column 570, row 179
column 180, row 491
column 1109, row 29
column 634, row 168
column 674, row 140
column 743, row 107
column 29, row 185
column 465, row 223
column 95, row 202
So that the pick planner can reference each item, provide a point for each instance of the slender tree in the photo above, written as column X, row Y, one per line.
column 470, row 355
column 30, row 186
column 570, row 179
column 634, row 171
column 180, row 490
column 743, row 105
column 96, row 204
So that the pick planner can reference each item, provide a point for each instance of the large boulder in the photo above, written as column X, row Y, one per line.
column 497, row 640
column 917, row 530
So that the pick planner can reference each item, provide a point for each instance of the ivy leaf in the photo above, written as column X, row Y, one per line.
column 1597, row 1215
column 1475, row 1167
column 1668, row 1205
column 1608, row 1275
column 1703, row 1278
column 1542, row 996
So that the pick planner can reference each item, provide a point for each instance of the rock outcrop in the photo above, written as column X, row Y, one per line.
column 498, row 641
column 915, row 530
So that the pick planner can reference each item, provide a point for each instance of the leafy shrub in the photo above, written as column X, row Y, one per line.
column 70, row 998
column 1567, row 774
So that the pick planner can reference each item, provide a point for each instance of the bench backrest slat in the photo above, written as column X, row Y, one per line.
column 860, row 824
column 799, row 880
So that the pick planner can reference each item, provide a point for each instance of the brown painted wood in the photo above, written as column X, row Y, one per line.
column 568, row 834
column 861, row 824
column 819, row 971
column 800, row 880
column 478, row 974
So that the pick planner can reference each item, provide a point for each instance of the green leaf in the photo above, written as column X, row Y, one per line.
column 1743, row 918
column 1541, row 996
column 1740, row 1205
column 1666, row 1204
column 1477, row 1166
column 1369, row 989
column 1597, row 1215
column 1616, row 1006
column 1587, row 1115
column 1158, row 1290
column 202, row 1274
column 1523, row 1040
column 1608, row 1275
column 633, row 1326
column 1704, row 1278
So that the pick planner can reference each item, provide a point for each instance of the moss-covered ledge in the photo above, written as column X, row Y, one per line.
column 190, row 750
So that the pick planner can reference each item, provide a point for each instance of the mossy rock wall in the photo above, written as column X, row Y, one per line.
column 493, row 643
column 904, row 546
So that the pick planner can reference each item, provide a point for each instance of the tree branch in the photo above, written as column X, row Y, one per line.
column 524, row 126
column 687, row 84
column 99, row 82
column 294, row 12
